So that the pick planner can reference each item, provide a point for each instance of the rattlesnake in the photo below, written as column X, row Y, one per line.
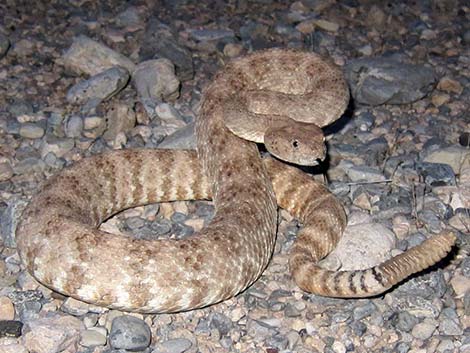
column 60, row 245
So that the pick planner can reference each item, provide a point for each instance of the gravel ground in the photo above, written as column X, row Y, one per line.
column 82, row 77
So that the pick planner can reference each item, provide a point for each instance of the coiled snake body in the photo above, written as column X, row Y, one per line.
column 59, row 243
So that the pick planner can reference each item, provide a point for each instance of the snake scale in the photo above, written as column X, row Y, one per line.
column 61, row 246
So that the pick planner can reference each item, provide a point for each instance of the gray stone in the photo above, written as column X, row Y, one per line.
column 428, row 286
column 161, row 226
column 29, row 165
column 359, row 328
column 446, row 346
column 376, row 81
column 160, row 42
column 87, row 56
column 402, row 347
column 466, row 37
column 291, row 311
column 362, row 173
column 9, row 220
column 176, row 345
column 20, row 107
column 155, row 80
column 6, row 171
column 260, row 330
column 465, row 266
column 99, row 87
column 221, row 323
column 364, row 121
column 431, row 220
column 74, row 126
column 31, row 131
column 93, row 337
column 130, row 17
column 135, row 223
column 57, row 145
column 129, row 332
column 10, row 328
column 181, row 139
column 424, row 330
column 436, row 174
column 364, row 311
column 4, row 45
column 204, row 35
column 178, row 217
column 278, row 342
column 404, row 321
column 417, row 306
column 455, row 156
column 450, row 327
column 181, row 230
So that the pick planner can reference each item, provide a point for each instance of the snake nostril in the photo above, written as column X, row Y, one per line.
column 295, row 143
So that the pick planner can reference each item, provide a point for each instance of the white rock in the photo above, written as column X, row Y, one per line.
column 364, row 245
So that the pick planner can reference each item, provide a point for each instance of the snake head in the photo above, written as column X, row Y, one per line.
column 298, row 143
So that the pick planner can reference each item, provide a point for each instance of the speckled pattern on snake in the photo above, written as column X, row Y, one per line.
column 60, row 244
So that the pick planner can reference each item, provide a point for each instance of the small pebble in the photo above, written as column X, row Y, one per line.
column 128, row 332
column 31, row 131
column 7, row 310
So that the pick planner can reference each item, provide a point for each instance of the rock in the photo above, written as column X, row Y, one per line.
column 363, row 246
column 24, row 47
column 6, row 171
column 167, row 113
column 156, row 80
column 74, row 126
column 160, row 42
column 430, row 286
column 9, row 219
column 362, row 173
column 448, row 84
column 259, row 330
column 12, row 348
column 10, row 328
column 378, row 81
column 4, row 45
column 7, row 310
column 87, row 56
column 95, row 336
column 177, row 345
column 31, row 131
column 99, row 87
column 361, row 312
column 94, row 126
column 440, row 99
column 466, row 37
column 120, row 119
column 464, row 139
column 425, row 329
column 405, row 321
column 326, row 25
column 436, row 174
column 57, row 145
column 75, row 307
column 181, row 139
column 458, row 158
column 131, row 19
column 129, row 332
column 53, row 334
column 205, row 35
column 221, row 323
column 450, row 327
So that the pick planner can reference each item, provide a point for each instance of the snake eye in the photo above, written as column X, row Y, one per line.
column 295, row 143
